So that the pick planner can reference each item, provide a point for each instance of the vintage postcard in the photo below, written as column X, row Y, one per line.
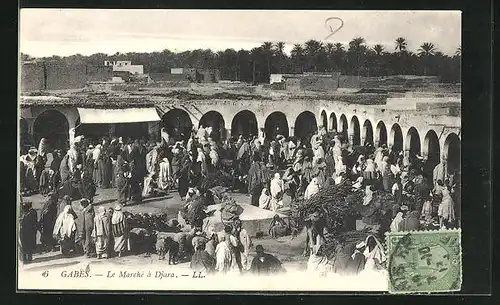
column 205, row 150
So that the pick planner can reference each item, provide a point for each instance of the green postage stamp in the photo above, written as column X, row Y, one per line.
column 424, row 261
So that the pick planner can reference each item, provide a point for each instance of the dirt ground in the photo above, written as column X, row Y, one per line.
column 288, row 250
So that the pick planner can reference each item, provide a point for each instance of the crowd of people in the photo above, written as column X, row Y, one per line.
column 265, row 171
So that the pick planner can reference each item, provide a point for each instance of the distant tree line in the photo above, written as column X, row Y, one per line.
column 256, row 65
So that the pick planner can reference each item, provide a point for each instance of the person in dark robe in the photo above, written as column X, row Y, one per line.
column 22, row 176
column 28, row 228
column 256, row 179
column 113, row 153
column 201, row 261
column 343, row 259
column 55, row 166
column 40, row 161
column 64, row 170
column 140, row 160
column 111, row 240
column 183, row 175
column 47, row 221
column 84, row 226
column 106, row 165
column 292, row 178
column 278, row 227
column 122, row 183
column 357, row 263
column 265, row 263
column 87, row 186
column 330, row 163
column 136, row 173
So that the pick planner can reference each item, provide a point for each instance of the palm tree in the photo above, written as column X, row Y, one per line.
column 313, row 50
column 329, row 48
column 267, row 47
column 357, row 51
column 426, row 49
column 401, row 44
column 378, row 49
column 357, row 44
column 297, row 55
column 279, row 47
column 339, row 56
column 279, row 50
column 339, row 47
column 459, row 51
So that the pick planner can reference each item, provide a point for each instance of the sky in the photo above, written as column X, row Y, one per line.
column 64, row 32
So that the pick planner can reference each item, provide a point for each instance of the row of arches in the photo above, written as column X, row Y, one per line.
column 359, row 135
column 53, row 124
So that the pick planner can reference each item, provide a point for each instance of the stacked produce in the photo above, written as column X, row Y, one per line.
column 218, row 178
column 230, row 210
column 330, row 203
column 150, row 222
column 339, row 206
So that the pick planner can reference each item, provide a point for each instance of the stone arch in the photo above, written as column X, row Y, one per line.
column 244, row 123
column 432, row 154
column 52, row 125
column 452, row 152
column 177, row 123
column 381, row 134
column 324, row 119
column 354, row 131
column 276, row 123
column 305, row 126
column 343, row 128
column 412, row 143
column 215, row 120
column 333, row 122
column 396, row 137
column 367, row 134
column 431, row 150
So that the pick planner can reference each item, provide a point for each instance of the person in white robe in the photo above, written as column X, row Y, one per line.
column 214, row 157
column 264, row 199
column 312, row 189
column 396, row 222
column 223, row 258
column 277, row 190
column 319, row 152
column 339, row 166
column 446, row 210
column 120, row 231
column 65, row 230
column 374, row 253
column 72, row 158
column 165, row 175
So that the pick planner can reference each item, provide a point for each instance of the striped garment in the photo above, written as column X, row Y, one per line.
column 118, row 229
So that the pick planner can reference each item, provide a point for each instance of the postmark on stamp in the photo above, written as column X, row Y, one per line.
column 424, row 261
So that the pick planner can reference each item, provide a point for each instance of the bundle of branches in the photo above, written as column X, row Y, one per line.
column 230, row 210
column 218, row 193
column 218, row 178
column 150, row 222
column 330, row 203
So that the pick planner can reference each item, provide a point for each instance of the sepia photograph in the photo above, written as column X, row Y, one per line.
column 239, row 150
